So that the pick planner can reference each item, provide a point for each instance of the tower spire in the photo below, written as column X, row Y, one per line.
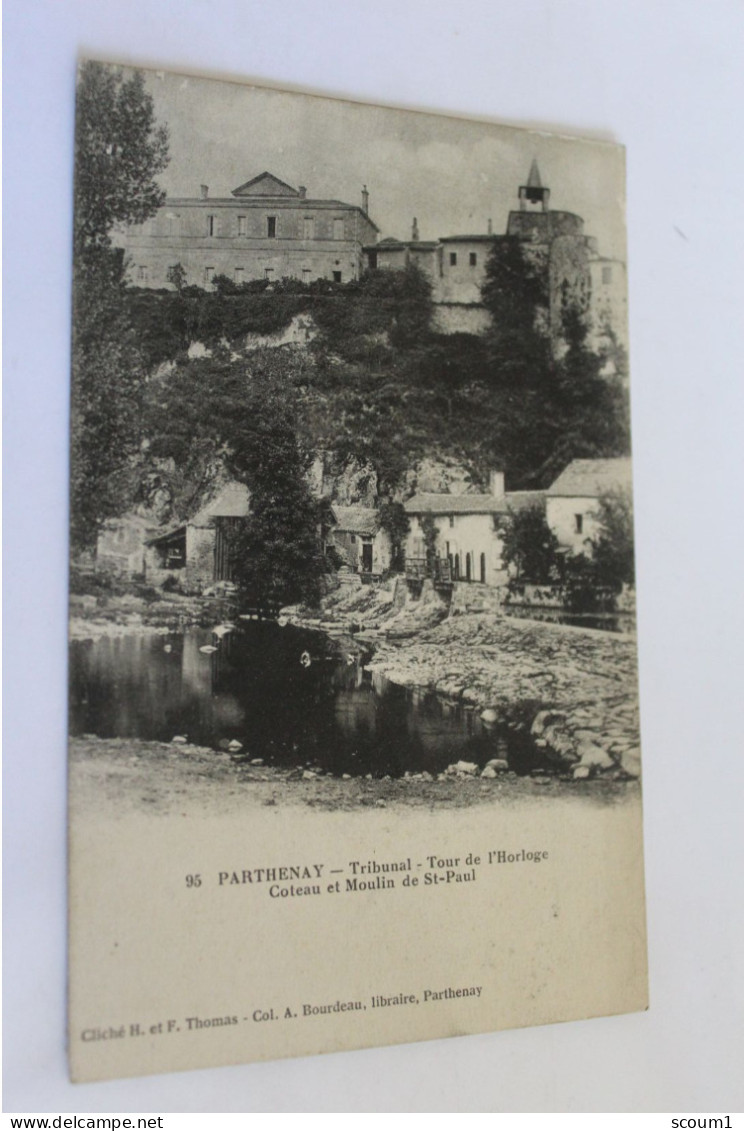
column 533, row 180
column 533, row 193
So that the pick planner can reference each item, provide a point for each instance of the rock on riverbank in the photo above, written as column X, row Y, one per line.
column 577, row 689
column 93, row 616
column 581, row 686
column 115, row 777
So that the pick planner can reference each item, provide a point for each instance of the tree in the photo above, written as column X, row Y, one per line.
column 243, row 417
column 176, row 276
column 105, row 406
column 515, row 294
column 395, row 521
column 119, row 151
column 613, row 550
column 531, row 547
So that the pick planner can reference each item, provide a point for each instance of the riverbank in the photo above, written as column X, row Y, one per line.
column 93, row 616
column 115, row 777
column 576, row 689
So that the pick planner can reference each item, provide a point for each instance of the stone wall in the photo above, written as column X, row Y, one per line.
column 459, row 318
column 200, row 541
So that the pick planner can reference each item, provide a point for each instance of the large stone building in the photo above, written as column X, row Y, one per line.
column 265, row 229
column 575, row 274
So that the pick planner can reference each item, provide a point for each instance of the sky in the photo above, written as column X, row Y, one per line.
column 451, row 173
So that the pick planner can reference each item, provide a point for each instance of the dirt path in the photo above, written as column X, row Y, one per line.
column 118, row 776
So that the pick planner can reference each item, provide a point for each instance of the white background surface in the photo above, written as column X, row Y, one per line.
column 665, row 79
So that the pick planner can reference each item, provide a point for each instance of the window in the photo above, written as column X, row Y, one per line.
column 338, row 229
column 306, row 274
column 308, row 228
column 208, row 275
column 352, row 538
column 271, row 227
column 606, row 275
column 579, row 523
column 453, row 259
column 473, row 259
column 213, row 226
column 483, row 568
column 452, row 520
column 372, row 259
column 268, row 273
column 142, row 274
column 242, row 225
column 337, row 276
column 239, row 275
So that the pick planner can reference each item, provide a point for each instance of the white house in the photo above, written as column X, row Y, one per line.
column 468, row 541
column 572, row 500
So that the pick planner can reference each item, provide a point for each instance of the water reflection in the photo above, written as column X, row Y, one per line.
column 332, row 713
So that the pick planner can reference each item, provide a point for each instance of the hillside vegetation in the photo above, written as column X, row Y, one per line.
column 374, row 389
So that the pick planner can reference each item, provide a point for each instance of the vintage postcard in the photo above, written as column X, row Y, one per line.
column 354, row 731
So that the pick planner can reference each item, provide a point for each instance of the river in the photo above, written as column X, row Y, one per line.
column 290, row 696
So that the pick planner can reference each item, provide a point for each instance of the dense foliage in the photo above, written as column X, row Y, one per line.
column 215, row 415
column 118, row 151
column 530, row 547
column 614, row 549
column 588, row 581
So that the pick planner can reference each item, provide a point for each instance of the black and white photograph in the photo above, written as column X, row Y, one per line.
column 351, row 523
column 351, row 488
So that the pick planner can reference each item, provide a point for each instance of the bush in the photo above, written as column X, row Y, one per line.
column 531, row 548
column 613, row 551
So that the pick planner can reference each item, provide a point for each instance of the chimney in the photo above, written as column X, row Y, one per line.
column 365, row 199
column 496, row 484
column 490, row 226
column 414, row 230
column 204, row 189
column 303, row 192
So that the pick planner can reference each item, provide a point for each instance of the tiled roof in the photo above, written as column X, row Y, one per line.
column 456, row 504
column 271, row 179
column 591, row 478
column 523, row 500
column 477, row 237
column 356, row 520
column 233, row 501
column 280, row 203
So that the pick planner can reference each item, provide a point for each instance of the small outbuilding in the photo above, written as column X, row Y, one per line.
column 197, row 552
column 358, row 538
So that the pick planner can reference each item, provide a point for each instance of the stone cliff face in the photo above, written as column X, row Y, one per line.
column 356, row 484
